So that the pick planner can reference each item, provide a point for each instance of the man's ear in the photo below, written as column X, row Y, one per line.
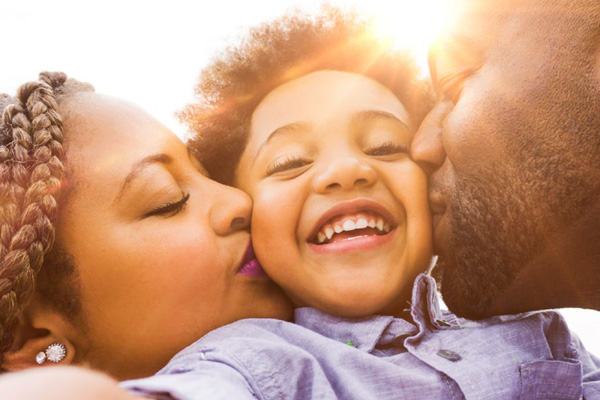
column 37, row 328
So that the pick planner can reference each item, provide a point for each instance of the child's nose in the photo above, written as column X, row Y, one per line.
column 344, row 173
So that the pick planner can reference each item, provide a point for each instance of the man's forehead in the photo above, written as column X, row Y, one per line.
column 477, row 21
column 475, row 25
column 481, row 25
column 484, row 17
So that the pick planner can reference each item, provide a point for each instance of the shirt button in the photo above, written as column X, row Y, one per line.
column 449, row 355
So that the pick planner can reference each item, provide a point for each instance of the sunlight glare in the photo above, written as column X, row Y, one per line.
column 413, row 24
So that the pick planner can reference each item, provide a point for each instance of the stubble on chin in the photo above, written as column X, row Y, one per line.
column 491, row 239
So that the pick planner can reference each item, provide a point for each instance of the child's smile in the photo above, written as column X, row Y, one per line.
column 353, row 225
column 340, row 217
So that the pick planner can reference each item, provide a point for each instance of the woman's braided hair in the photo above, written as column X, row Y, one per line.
column 31, row 172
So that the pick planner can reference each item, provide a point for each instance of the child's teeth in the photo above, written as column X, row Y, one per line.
column 361, row 223
column 321, row 237
column 349, row 225
column 328, row 232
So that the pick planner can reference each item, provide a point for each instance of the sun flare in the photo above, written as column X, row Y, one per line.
column 413, row 24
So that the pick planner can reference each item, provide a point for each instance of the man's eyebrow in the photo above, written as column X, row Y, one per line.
column 282, row 130
column 466, row 53
column 138, row 168
column 370, row 115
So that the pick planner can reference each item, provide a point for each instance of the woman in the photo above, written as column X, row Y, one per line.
column 150, row 254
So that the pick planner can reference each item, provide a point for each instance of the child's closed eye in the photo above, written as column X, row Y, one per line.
column 387, row 148
column 287, row 164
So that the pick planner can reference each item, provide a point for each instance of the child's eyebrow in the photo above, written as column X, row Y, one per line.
column 370, row 115
column 282, row 130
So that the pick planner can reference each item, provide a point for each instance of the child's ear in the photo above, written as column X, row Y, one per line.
column 37, row 329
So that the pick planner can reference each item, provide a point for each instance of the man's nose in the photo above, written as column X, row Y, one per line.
column 345, row 173
column 427, row 148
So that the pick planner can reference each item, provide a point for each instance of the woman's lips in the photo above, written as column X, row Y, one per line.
column 250, row 265
column 252, row 268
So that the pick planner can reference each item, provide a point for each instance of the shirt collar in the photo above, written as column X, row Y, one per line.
column 425, row 309
column 363, row 333
column 425, row 306
column 368, row 332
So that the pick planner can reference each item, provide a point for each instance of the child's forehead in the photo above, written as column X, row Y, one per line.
column 324, row 96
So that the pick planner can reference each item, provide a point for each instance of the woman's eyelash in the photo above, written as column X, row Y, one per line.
column 170, row 209
column 386, row 149
column 287, row 164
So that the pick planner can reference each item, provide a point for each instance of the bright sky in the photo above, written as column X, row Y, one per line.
column 150, row 52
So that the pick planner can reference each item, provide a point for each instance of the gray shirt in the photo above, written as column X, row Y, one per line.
column 435, row 356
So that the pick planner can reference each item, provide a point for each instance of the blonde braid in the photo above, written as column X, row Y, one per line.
column 31, row 170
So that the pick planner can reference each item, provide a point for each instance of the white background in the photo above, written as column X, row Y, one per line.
column 150, row 52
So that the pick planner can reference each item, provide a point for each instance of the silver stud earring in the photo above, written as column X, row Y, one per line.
column 56, row 352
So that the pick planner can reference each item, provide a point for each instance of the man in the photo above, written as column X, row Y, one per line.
column 512, row 148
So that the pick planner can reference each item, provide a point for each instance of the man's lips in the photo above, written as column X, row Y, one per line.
column 250, row 265
column 439, row 221
column 436, row 203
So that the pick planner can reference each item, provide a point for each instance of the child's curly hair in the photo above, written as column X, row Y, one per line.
column 232, row 86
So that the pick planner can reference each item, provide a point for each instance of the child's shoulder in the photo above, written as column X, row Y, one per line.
column 250, row 335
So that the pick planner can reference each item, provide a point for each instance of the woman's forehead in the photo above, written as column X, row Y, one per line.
column 95, row 122
column 106, row 136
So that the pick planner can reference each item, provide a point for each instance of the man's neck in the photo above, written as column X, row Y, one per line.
column 565, row 274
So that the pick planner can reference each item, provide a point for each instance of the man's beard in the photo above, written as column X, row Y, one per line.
column 493, row 237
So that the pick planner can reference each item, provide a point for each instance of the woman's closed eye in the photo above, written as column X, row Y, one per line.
column 169, row 209
column 387, row 148
column 287, row 164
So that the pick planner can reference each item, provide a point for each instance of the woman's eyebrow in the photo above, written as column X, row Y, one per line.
column 138, row 168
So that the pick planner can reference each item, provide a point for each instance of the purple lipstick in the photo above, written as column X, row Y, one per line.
column 250, row 265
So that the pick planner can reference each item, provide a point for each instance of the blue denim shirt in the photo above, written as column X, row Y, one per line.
column 438, row 356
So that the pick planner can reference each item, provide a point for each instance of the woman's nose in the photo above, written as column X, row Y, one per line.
column 345, row 173
column 231, row 211
column 427, row 148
